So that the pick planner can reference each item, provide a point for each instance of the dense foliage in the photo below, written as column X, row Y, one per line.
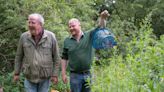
column 138, row 69
column 134, row 65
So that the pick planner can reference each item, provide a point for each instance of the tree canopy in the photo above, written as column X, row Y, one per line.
column 137, row 25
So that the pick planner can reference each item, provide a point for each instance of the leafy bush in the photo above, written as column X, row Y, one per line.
column 136, row 64
column 9, row 85
column 140, row 69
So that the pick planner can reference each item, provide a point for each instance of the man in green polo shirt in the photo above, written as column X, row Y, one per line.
column 79, row 52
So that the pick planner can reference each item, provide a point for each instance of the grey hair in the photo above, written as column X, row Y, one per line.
column 40, row 17
column 74, row 20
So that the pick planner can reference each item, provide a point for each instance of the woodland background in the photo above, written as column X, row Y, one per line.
column 136, row 64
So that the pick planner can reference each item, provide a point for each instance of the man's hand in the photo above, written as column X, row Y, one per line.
column 54, row 79
column 16, row 78
column 102, row 20
column 104, row 14
column 64, row 78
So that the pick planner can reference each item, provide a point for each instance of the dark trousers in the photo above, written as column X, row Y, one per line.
column 80, row 82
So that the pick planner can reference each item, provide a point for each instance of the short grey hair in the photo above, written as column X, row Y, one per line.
column 74, row 20
column 40, row 17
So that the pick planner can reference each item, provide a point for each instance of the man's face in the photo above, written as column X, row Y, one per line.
column 34, row 25
column 74, row 28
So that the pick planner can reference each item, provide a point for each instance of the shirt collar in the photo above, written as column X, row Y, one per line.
column 82, row 34
column 42, row 34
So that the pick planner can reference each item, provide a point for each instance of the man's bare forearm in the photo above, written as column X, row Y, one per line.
column 63, row 66
column 102, row 19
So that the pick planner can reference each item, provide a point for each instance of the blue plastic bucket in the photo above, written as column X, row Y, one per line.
column 102, row 38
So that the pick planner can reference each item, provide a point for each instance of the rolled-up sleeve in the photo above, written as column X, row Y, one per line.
column 65, row 54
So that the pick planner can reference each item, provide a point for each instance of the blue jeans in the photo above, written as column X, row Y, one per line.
column 80, row 82
column 42, row 86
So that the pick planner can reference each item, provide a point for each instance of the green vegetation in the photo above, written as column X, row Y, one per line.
column 141, row 69
column 134, row 65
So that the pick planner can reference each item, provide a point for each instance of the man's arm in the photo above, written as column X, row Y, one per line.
column 64, row 67
column 102, row 19
column 18, row 60
column 64, row 63
column 56, row 57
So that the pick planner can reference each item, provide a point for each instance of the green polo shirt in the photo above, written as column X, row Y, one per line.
column 79, row 54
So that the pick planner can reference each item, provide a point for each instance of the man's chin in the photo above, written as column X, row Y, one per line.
column 32, row 32
column 73, row 33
